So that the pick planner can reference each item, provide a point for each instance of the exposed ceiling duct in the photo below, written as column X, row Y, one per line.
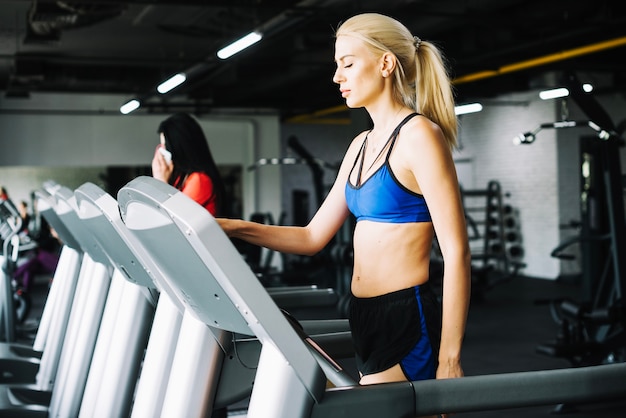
column 46, row 21
column 130, row 47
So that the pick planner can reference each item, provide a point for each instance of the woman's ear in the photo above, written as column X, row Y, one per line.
column 387, row 64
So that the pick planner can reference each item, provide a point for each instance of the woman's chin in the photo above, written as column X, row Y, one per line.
column 352, row 104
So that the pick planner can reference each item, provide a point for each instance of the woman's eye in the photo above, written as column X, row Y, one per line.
column 347, row 66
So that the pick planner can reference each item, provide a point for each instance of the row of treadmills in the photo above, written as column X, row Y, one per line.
column 152, row 312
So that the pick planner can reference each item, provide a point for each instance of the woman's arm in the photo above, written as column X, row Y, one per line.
column 306, row 240
column 429, row 159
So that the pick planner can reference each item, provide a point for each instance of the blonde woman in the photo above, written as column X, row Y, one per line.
column 399, row 180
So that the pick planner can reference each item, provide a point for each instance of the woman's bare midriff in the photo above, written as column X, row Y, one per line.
column 390, row 257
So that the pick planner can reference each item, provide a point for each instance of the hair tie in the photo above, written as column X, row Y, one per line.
column 417, row 42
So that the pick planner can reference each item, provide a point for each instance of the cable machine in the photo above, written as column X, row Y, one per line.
column 593, row 331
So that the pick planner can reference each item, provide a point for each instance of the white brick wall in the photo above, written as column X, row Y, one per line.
column 542, row 178
column 527, row 172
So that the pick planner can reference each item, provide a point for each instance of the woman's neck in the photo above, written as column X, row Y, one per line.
column 386, row 117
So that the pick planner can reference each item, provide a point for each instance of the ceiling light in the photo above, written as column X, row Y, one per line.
column 130, row 106
column 468, row 108
column 588, row 88
column 243, row 43
column 554, row 93
column 169, row 84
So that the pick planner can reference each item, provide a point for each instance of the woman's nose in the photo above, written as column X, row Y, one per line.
column 337, row 76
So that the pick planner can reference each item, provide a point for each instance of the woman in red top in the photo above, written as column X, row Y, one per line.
column 184, row 160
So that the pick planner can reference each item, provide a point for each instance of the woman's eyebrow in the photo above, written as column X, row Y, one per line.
column 343, row 57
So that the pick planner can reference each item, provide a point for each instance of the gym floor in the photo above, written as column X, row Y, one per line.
column 503, row 330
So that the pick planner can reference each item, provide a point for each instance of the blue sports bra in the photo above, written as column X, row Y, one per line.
column 381, row 198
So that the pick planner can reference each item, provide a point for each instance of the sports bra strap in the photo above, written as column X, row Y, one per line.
column 390, row 142
column 362, row 155
column 394, row 134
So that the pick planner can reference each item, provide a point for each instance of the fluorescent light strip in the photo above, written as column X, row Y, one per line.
column 241, row 44
column 173, row 82
column 130, row 106
column 562, row 92
column 554, row 93
column 468, row 108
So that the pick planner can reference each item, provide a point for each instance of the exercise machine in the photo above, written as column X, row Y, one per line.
column 20, row 363
column 182, row 359
column 65, row 368
column 219, row 289
column 122, row 339
column 593, row 331
column 14, row 301
column 10, row 225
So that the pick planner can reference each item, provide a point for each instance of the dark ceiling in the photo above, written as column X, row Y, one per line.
column 130, row 47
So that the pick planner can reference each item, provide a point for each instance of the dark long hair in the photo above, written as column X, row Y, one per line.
column 190, row 150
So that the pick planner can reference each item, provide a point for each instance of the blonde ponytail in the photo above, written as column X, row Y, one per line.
column 433, row 91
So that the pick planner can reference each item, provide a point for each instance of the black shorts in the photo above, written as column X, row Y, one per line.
column 402, row 327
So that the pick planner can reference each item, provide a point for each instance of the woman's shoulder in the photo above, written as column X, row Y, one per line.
column 198, row 177
column 197, row 183
column 421, row 131
column 421, row 142
column 422, row 124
